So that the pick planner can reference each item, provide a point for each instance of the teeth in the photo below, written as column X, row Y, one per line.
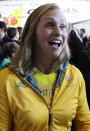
column 56, row 41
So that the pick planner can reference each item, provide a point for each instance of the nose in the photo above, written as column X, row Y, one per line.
column 57, row 31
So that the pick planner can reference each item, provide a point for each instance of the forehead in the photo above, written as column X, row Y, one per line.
column 54, row 14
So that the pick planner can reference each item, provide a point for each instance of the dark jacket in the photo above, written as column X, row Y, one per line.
column 76, row 46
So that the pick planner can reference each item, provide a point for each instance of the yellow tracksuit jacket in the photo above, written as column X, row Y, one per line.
column 23, row 108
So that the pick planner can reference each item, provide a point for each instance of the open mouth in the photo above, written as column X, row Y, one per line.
column 55, row 44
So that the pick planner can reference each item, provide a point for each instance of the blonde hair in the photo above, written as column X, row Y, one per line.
column 24, row 60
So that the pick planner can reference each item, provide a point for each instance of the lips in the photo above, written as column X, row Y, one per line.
column 55, row 43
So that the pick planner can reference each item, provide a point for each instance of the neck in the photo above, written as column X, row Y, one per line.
column 44, row 63
column 45, row 67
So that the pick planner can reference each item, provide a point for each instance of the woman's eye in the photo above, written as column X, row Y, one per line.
column 50, row 24
column 63, row 26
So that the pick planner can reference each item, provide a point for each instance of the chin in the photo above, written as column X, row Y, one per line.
column 55, row 56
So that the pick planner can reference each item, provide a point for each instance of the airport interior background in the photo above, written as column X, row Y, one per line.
column 76, row 11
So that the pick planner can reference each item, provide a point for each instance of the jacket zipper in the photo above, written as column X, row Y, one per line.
column 49, row 108
column 49, row 121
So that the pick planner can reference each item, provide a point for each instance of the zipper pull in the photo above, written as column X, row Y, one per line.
column 49, row 121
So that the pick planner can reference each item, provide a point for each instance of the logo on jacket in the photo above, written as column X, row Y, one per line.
column 68, row 77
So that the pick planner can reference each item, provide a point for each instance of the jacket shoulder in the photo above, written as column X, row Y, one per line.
column 74, row 70
column 4, row 73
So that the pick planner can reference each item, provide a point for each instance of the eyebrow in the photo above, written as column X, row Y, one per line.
column 47, row 18
column 52, row 19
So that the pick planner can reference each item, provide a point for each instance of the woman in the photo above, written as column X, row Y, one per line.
column 41, row 91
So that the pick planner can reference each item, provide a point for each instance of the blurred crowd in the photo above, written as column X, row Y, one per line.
column 10, row 38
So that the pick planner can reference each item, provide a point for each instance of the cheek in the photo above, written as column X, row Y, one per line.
column 42, row 35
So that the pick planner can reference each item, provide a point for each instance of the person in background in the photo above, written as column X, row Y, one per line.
column 20, row 30
column 76, row 47
column 40, row 90
column 3, row 35
column 75, row 44
column 13, row 34
column 9, row 51
column 80, row 57
column 80, row 60
column 3, row 29
column 88, row 43
column 83, row 36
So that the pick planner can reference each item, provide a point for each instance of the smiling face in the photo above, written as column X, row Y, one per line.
column 51, row 35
